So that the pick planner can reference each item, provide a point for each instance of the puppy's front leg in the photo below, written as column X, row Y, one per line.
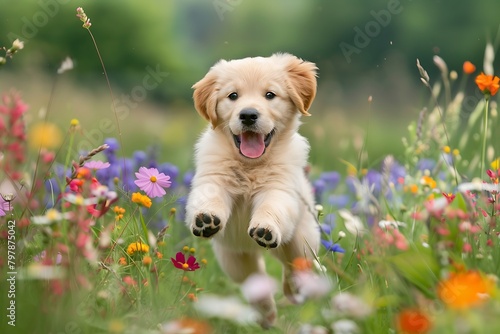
column 208, row 209
column 275, row 215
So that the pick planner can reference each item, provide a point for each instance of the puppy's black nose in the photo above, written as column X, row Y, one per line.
column 248, row 116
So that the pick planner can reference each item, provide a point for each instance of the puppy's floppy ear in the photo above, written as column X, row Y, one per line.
column 301, row 82
column 205, row 97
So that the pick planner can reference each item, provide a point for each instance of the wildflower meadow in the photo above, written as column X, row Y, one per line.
column 94, row 241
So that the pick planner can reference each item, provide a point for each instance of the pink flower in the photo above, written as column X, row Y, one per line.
column 152, row 182
column 96, row 165
column 4, row 206
column 181, row 263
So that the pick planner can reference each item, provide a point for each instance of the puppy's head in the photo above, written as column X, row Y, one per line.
column 256, row 100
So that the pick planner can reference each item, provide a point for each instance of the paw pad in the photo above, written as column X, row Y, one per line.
column 264, row 237
column 206, row 225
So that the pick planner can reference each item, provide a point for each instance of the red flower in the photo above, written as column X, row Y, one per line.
column 181, row 263
column 413, row 321
column 449, row 197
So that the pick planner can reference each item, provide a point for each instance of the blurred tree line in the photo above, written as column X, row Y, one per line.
column 347, row 39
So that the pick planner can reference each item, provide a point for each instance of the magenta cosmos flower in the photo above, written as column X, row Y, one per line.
column 152, row 182
column 181, row 263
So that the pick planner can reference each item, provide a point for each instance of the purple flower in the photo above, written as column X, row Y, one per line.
column 426, row 164
column 170, row 170
column 374, row 179
column 110, row 152
column 4, row 206
column 332, row 247
column 339, row 201
column 96, row 165
column 188, row 178
column 140, row 158
column 319, row 187
column 331, row 179
column 152, row 182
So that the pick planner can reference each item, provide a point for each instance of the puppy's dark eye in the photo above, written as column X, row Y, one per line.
column 233, row 96
column 270, row 95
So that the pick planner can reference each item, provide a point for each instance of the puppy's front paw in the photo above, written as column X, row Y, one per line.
column 206, row 225
column 265, row 237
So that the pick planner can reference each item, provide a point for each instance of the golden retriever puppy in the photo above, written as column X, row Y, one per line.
column 250, row 192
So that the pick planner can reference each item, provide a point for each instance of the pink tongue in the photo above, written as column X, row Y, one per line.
column 252, row 144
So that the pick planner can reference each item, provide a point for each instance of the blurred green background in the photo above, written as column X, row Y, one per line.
column 362, row 49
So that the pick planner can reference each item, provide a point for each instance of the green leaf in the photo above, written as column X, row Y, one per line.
column 418, row 266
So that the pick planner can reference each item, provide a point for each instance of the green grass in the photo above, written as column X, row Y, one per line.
column 427, row 261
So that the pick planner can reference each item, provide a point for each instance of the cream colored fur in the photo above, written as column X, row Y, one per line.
column 271, row 193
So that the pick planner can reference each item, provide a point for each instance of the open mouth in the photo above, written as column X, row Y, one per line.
column 252, row 144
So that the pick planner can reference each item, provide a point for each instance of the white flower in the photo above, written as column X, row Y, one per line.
column 51, row 216
column 351, row 305
column 384, row 224
column 345, row 326
column 352, row 223
column 478, row 186
column 79, row 200
column 66, row 65
column 17, row 45
column 258, row 287
column 230, row 308
column 310, row 285
column 310, row 329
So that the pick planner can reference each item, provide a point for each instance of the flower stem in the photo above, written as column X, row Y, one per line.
column 485, row 135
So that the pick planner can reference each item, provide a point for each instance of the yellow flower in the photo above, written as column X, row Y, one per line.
column 45, row 135
column 463, row 290
column 496, row 164
column 446, row 149
column 428, row 181
column 119, row 211
column 74, row 122
column 137, row 247
column 141, row 199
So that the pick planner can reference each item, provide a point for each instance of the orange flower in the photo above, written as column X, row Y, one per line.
column 147, row 260
column 488, row 84
column 469, row 67
column 122, row 261
column 465, row 289
column 413, row 321
column 301, row 264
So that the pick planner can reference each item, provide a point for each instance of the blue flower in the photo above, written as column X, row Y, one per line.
column 332, row 247
column 110, row 152
column 170, row 170
column 188, row 178
column 319, row 187
column 140, row 158
column 374, row 179
column 339, row 201
column 426, row 164
column 331, row 179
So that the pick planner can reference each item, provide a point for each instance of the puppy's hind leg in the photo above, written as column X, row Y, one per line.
column 239, row 266
column 304, row 244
